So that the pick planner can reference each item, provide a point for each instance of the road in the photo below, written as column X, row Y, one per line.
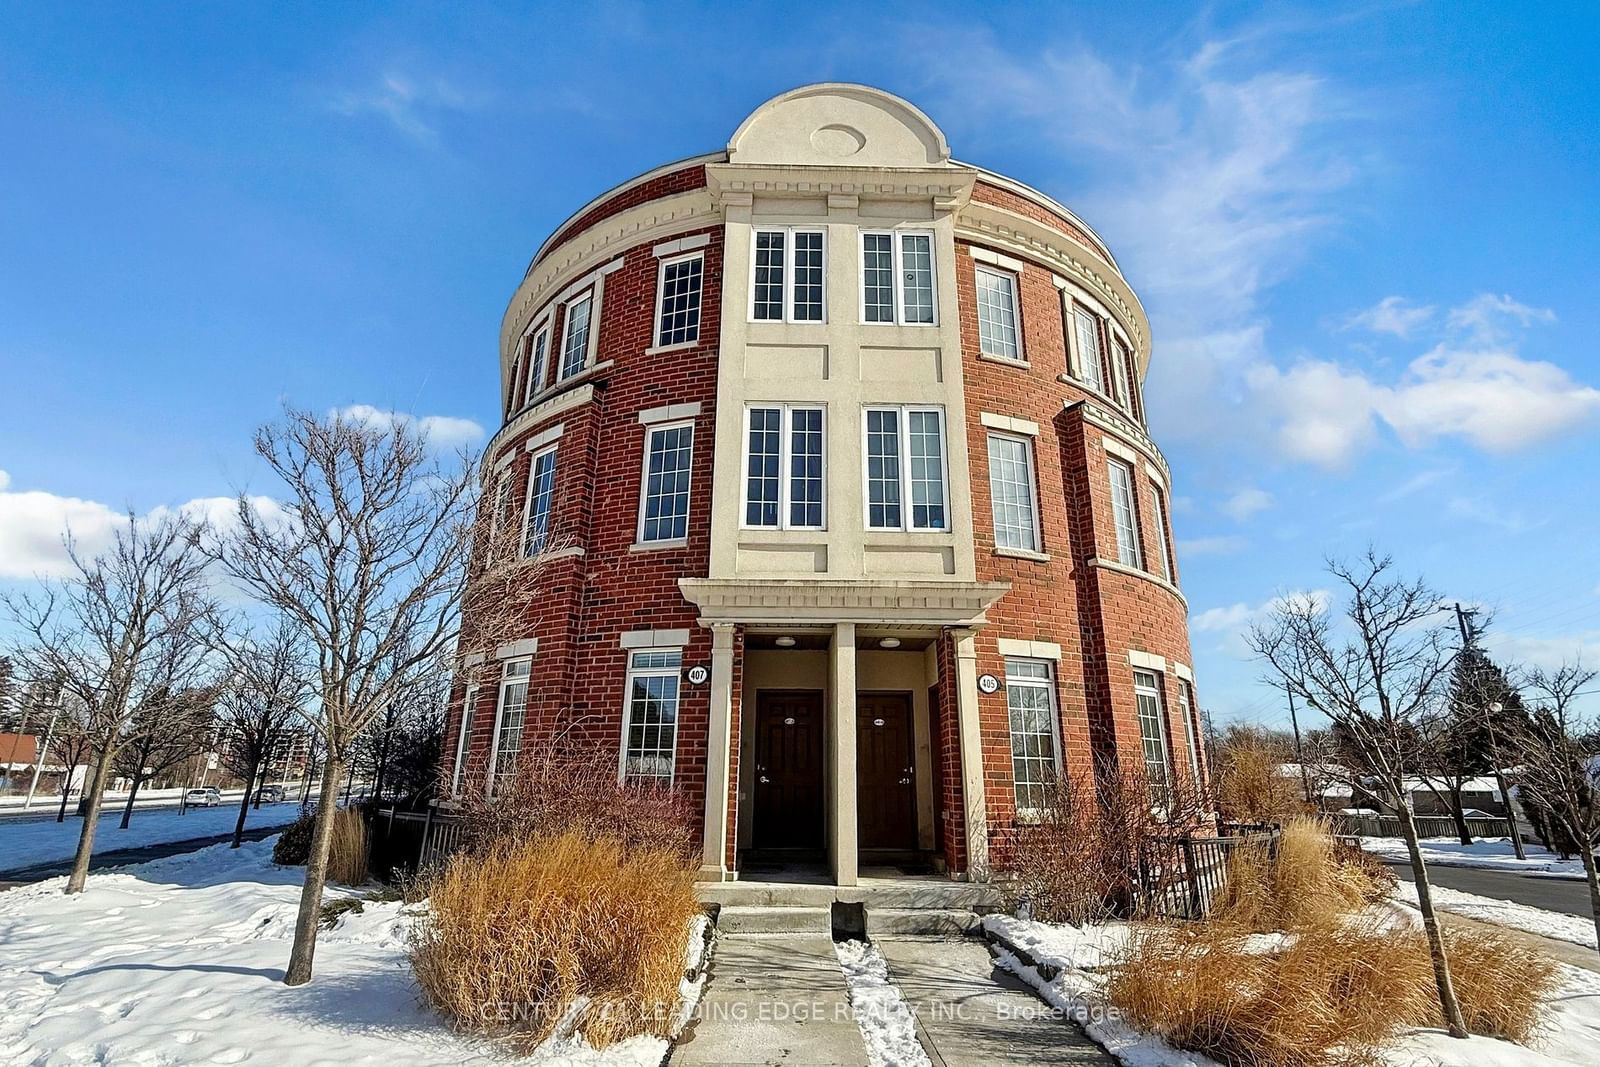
column 121, row 857
column 1552, row 894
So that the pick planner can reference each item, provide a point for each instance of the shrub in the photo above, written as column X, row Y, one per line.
column 1301, row 879
column 347, row 854
column 1499, row 983
column 520, row 929
column 293, row 848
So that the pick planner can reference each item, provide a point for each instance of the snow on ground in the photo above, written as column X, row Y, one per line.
column 886, row 1022
column 1563, row 927
column 180, row 961
column 1570, row 1033
column 1489, row 854
column 24, row 844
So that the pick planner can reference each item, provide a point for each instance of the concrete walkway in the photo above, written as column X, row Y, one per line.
column 970, row 1012
column 774, row 1000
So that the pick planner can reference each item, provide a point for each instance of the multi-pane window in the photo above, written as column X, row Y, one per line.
column 1011, row 492
column 897, row 277
column 652, row 714
column 541, row 495
column 511, row 388
column 1124, row 514
column 1186, row 709
column 1086, row 333
column 469, row 705
column 1158, row 505
column 787, row 276
column 905, row 464
column 500, row 510
column 680, row 284
column 997, row 314
column 784, row 467
column 508, row 721
column 1122, row 362
column 664, row 507
column 538, row 355
column 1152, row 731
column 1031, row 708
column 1135, row 401
column 575, row 335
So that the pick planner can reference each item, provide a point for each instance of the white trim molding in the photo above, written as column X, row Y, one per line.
column 1182, row 671
column 547, row 436
column 1121, row 451
column 995, row 259
column 1134, row 572
column 631, row 639
column 669, row 413
column 1015, row 649
column 1009, row 423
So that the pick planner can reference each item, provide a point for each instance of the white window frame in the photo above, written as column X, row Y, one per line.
column 512, row 394
column 1048, row 683
column 1153, row 691
column 500, row 506
column 789, row 252
column 562, row 374
column 506, row 682
column 785, row 455
column 540, row 332
column 1135, row 542
column 1186, row 707
column 650, row 432
column 1075, row 344
column 627, row 707
column 1015, row 280
column 469, row 704
column 1033, row 491
column 904, row 425
column 897, row 296
column 1158, row 501
column 528, row 498
column 656, row 343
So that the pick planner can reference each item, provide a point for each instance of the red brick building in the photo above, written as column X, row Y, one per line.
column 850, row 525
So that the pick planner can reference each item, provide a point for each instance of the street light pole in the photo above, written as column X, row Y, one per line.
column 38, row 764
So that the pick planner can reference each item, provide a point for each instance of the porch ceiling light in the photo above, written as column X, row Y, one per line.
column 784, row 642
column 889, row 642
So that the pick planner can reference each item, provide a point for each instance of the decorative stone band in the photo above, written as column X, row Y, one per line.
column 1135, row 572
column 803, row 600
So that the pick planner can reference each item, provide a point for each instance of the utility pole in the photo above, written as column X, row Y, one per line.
column 38, row 762
column 1468, row 644
column 1299, row 754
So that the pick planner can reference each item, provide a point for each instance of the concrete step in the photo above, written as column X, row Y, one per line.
column 741, row 919
column 766, row 894
column 921, row 922
column 968, row 896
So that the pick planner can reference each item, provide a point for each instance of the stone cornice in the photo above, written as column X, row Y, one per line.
column 863, row 601
column 1125, row 429
column 949, row 188
column 562, row 400
column 1080, row 264
column 1134, row 572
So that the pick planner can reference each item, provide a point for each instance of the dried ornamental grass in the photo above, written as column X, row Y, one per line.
column 519, row 931
column 347, row 853
column 1501, row 985
column 1301, row 880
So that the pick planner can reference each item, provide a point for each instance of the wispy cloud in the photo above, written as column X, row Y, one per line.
column 1416, row 484
column 1245, row 503
column 1212, row 546
column 1393, row 314
column 440, row 431
column 1477, row 509
column 414, row 106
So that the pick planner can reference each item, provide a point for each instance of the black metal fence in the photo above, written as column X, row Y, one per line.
column 1180, row 878
column 1427, row 826
column 405, row 842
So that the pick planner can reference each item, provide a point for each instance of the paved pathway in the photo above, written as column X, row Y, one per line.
column 777, row 1000
column 971, row 1012
column 1552, row 894
column 121, row 857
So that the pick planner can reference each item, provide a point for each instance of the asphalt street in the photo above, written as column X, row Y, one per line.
column 1552, row 894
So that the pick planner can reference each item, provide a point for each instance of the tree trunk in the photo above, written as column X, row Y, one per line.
column 1448, row 1006
column 1594, row 887
column 1458, row 812
column 305, row 925
column 305, row 787
column 66, row 790
column 127, row 809
column 244, row 806
column 1511, row 813
column 91, row 818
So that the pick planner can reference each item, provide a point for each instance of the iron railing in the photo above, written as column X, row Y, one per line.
column 405, row 842
column 1427, row 826
column 1181, row 878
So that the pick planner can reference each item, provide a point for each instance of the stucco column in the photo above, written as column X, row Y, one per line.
column 842, row 672
column 977, row 819
column 714, row 849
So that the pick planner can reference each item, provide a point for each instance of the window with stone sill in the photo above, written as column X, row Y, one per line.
column 788, row 275
column 664, row 492
column 651, row 732
column 897, row 277
column 1152, row 733
column 1125, row 514
column 998, row 326
column 1032, row 719
column 679, row 285
column 513, row 703
column 784, row 466
column 575, row 335
column 905, row 468
column 538, row 362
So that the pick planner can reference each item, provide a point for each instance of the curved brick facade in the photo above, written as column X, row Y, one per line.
column 803, row 645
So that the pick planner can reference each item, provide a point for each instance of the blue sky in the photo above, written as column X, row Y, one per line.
column 1366, row 241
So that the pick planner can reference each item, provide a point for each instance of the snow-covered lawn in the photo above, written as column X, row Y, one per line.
column 887, row 1025
column 1571, row 1032
column 24, row 844
column 1563, row 927
column 1489, row 854
column 180, row 961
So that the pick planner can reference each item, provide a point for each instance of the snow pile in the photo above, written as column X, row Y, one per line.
column 29, row 842
column 886, row 1022
column 1570, row 1035
column 1562, row 927
column 1487, row 854
column 180, row 961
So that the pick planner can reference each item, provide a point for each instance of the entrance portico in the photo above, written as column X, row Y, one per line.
column 829, row 739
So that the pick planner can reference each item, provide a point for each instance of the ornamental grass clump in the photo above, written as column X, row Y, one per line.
column 587, row 933
column 347, row 854
column 1300, row 879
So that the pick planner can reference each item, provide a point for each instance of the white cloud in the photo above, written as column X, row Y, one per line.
column 1392, row 314
column 1416, row 484
column 1212, row 546
column 1486, row 316
column 1235, row 618
column 441, row 431
column 413, row 106
column 1479, row 510
column 1245, row 503
column 1547, row 651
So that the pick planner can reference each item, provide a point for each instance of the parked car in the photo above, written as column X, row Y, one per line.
column 207, row 797
column 269, row 794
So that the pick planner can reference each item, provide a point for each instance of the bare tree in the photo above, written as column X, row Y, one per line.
column 1379, row 675
column 166, row 729
column 122, row 624
column 1560, row 765
column 263, row 701
column 367, row 564
column 73, row 745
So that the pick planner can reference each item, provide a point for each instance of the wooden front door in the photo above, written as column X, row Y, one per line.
column 886, row 797
column 789, row 770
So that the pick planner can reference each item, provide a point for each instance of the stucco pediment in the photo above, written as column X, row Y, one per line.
column 836, row 124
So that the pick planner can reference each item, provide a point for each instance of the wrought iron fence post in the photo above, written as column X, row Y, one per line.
column 1193, row 875
column 427, row 835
